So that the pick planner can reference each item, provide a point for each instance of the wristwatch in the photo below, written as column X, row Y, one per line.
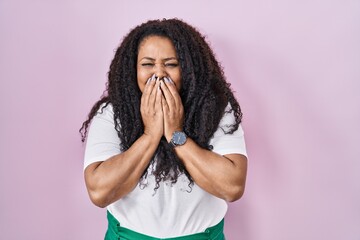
column 178, row 139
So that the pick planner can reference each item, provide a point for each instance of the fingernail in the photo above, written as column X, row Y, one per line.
column 167, row 79
column 171, row 80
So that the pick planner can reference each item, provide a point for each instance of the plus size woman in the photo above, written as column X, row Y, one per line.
column 165, row 149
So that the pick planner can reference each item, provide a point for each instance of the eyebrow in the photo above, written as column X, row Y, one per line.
column 165, row 59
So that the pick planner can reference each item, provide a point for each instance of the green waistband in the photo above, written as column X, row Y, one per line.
column 116, row 232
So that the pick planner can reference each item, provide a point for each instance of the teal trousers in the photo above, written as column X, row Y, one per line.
column 116, row 232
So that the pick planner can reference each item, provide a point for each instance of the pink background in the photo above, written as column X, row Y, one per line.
column 295, row 67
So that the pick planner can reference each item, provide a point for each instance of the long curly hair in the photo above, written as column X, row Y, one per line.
column 205, row 94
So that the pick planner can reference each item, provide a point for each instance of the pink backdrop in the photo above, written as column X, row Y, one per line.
column 295, row 67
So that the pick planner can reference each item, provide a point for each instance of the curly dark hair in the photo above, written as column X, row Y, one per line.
column 205, row 94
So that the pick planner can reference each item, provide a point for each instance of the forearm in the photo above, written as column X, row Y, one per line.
column 220, row 176
column 112, row 179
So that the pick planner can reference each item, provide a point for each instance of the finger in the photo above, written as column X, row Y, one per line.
column 173, row 91
column 154, row 92
column 159, row 97
column 149, row 86
column 165, row 106
column 168, row 96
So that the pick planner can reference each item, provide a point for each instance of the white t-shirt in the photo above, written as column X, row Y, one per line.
column 173, row 210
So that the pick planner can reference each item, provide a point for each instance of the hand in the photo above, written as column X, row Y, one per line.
column 172, row 108
column 151, row 109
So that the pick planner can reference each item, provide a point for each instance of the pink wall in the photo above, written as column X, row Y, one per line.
column 295, row 67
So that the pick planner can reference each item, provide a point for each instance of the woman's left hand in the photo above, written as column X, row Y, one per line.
column 173, row 109
column 221, row 176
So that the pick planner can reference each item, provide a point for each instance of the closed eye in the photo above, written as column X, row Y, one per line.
column 147, row 64
column 171, row 64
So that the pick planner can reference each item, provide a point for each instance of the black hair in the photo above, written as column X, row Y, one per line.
column 205, row 93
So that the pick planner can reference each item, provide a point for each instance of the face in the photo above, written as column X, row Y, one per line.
column 157, row 55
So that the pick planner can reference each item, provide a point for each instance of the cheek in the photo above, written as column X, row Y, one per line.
column 178, row 84
column 141, row 79
column 177, row 80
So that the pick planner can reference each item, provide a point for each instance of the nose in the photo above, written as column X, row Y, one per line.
column 160, row 71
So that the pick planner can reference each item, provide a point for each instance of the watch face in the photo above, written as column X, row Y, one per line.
column 179, row 138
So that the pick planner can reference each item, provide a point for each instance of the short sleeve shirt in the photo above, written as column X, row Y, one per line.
column 173, row 210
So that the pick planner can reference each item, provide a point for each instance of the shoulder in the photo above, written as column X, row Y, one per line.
column 105, row 111
column 105, row 108
column 228, row 116
column 223, row 141
column 227, row 122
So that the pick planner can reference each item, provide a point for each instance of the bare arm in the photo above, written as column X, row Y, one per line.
column 112, row 179
column 221, row 176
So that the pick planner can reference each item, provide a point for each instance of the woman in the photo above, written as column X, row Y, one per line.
column 165, row 150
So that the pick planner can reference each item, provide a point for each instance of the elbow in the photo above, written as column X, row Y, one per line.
column 98, row 194
column 235, row 193
column 98, row 199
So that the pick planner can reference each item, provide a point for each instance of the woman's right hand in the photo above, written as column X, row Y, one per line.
column 108, row 181
column 151, row 109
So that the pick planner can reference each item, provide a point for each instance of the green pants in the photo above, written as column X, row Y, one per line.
column 116, row 232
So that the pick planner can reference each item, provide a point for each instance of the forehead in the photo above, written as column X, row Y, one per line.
column 156, row 45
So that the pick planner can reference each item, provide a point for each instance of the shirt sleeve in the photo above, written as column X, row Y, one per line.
column 102, row 141
column 228, row 143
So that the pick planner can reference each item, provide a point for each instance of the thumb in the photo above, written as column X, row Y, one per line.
column 164, row 104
